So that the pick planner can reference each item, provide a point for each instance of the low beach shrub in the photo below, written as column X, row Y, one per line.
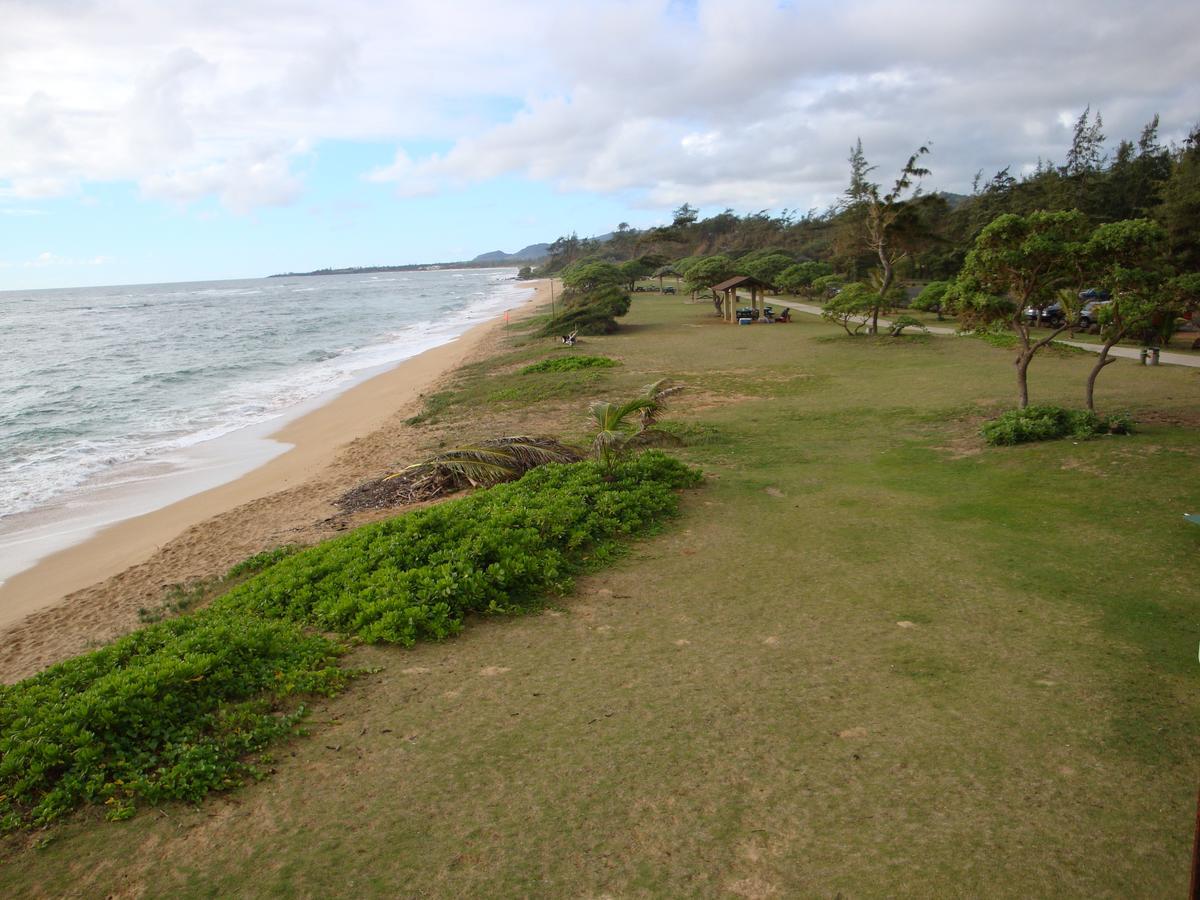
column 259, row 561
column 189, row 595
column 169, row 712
column 1048, row 423
column 415, row 577
column 179, row 708
column 570, row 364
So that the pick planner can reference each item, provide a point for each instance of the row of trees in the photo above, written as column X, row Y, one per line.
column 1128, row 223
column 932, row 233
column 1022, row 263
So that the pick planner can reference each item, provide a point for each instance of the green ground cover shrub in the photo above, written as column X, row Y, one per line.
column 1048, row 423
column 570, row 364
column 184, row 597
column 177, row 709
column 416, row 576
column 260, row 561
column 169, row 712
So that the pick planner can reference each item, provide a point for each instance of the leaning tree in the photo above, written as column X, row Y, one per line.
column 1128, row 259
column 1027, row 258
column 881, row 214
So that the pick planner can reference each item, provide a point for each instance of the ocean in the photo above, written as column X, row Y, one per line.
column 129, row 385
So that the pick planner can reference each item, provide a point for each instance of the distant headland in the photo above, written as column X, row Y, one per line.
column 534, row 253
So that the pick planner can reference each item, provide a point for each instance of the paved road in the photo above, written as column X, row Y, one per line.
column 1166, row 358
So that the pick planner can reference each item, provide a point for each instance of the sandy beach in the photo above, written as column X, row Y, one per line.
column 91, row 592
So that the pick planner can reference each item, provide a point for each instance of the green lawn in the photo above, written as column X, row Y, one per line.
column 872, row 658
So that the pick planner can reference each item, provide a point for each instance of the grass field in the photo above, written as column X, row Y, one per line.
column 872, row 658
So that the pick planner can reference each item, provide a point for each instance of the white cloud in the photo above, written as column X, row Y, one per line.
column 260, row 177
column 739, row 102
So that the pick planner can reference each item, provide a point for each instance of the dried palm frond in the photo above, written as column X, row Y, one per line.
column 475, row 465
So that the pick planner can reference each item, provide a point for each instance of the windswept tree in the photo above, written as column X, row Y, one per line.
column 1027, row 259
column 632, row 270
column 932, row 298
column 766, row 267
column 851, row 308
column 1129, row 261
column 881, row 213
column 711, row 270
column 587, row 276
column 799, row 278
column 1180, row 209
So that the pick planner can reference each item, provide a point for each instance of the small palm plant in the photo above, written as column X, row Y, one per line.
column 623, row 427
column 1071, row 305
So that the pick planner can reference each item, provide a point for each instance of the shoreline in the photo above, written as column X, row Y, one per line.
column 318, row 437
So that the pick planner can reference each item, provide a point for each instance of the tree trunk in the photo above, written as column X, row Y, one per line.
column 1022, row 363
column 1028, row 349
column 1100, row 364
column 885, row 263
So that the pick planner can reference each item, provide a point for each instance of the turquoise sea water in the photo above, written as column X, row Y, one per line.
column 97, row 384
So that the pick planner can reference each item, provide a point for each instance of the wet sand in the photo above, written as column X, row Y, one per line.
column 91, row 592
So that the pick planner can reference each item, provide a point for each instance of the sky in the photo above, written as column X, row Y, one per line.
column 173, row 140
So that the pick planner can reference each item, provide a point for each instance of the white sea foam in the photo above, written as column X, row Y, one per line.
column 107, row 383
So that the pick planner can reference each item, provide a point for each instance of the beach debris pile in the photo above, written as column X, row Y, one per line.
column 474, row 465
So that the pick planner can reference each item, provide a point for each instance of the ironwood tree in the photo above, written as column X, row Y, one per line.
column 880, row 214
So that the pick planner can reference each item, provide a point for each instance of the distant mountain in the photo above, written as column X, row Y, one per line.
column 953, row 200
column 531, row 253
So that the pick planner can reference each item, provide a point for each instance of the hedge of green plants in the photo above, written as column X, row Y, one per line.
column 570, row 364
column 1048, row 423
column 168, row 712
column 178, row 709
column 416, row 576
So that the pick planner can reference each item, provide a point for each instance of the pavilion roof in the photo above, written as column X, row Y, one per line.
column 742, row 281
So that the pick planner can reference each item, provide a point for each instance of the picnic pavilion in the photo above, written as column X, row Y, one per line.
column 758, row 290
column 664, row 271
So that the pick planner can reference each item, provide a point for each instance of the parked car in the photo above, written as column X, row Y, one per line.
column 1051, row 315
column 1089, row 315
